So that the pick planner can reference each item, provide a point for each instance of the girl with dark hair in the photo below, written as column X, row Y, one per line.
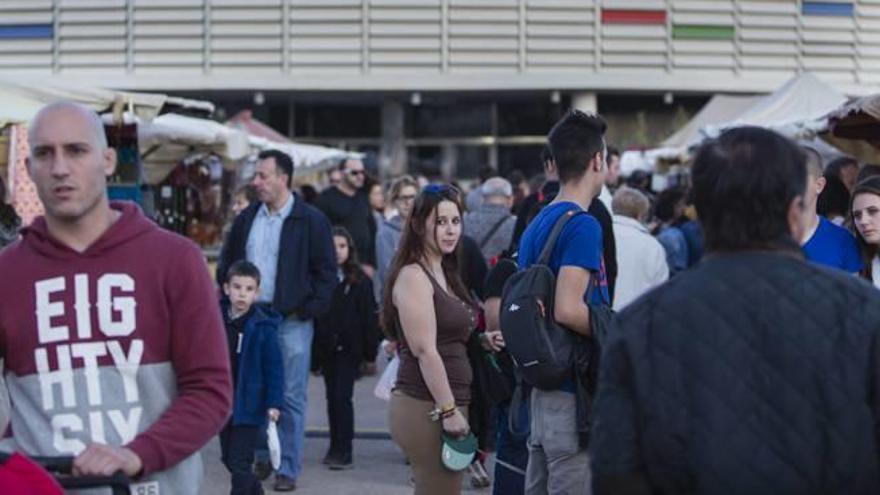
column 833, row 201
column 428, row 310
column 865, row 212
column 9, row 220
column 346, row 338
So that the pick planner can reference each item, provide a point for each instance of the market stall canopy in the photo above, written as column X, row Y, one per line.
column 720, row 109
column 854, row 128
column 792, row 110
column 245, row 121
column 21, row 99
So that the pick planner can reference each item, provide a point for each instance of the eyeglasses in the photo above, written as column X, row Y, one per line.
column 355, row 172
column 406, row 198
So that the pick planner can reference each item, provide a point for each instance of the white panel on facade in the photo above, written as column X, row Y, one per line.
column 326, row 3
column 165, row 4
column 560, row 60
column 633, row 31
column 477, row 44
column 544, row 45
column 246, row 29
column 405, row 3
column 169, row 15
column 635, row 4
column 84, row 45
column 483, row 3
column 405, row 15
column 483, row 15
column 92, row 59
column 634, row 60
column 748, row 61
column 93, row 16
column 246, row 3
column 769, row 7
column 326, row 15
column 632, row 46
column 91, row 4
column 246, row 58
column 868, row 10
column 168, row 58
column 844, row 63
column 18, row 5
column 166, row 29
column 467, row 29
column 86, row 31
column 827, row 22
column 404, row 58
column 7, row 17
column 16, row 60
column 246, row 15
column 703, row 46
column 826, row 49
column 313, row 29
column 325, row 58
column 559, row 31
column 829, row 37
column 704, row 61
column 484, row 58
column 768, row 21
column 327, row 44
column 386, row 29
column 702, row 18
column 25, row 46
column 750, row 34
column 872, row 51
column 247, row 44
column 703, row 5
column 168, row 45
column 561, row 16
column 768, row 48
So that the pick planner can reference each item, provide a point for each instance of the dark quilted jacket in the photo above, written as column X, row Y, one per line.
column 753, row 373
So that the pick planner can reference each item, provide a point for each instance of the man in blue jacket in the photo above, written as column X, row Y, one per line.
column 292, row 245
column 754, row 371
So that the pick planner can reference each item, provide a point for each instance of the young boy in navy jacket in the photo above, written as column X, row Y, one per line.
column 257, row 373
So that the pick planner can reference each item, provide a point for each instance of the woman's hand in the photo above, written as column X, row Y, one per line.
column 493, row 340
column 456, row 425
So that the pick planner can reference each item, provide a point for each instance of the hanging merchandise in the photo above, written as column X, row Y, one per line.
column 125, row 183
column 23, row 191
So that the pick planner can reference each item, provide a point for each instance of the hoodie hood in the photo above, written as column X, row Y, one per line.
column 131, row 224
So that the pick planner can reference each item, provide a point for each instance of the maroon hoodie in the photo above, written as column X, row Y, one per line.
column 121, row 344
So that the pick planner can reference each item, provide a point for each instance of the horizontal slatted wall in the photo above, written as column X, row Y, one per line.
column 703, row 34
column 26, row 34
column 93, row 34
column 483, row 34
column 828, row 39
column 405, row 34
column 768, row 36
column 868, row 22
column 169, row 34
column 634, row 34
column 326, row 34
column 246, row 33
column 560, row 34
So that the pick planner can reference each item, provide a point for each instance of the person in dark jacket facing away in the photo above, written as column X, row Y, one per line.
column 291, row 243
column 257, row 373
column 754, row 371
column 347, row 336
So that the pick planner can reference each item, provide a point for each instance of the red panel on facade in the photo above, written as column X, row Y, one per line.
column 630, row 16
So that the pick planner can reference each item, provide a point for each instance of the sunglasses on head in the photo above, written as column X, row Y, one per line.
column 443, row 190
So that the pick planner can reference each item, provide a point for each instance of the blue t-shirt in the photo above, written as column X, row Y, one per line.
column 833, row 246
column 579, row 244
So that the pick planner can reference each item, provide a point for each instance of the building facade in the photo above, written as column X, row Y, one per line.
column 453, row 83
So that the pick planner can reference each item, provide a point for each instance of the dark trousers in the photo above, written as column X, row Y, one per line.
column 512, row 454
column 237, row 444
column 340, row 372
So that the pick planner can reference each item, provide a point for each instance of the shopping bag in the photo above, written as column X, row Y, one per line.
column 387, row 380
column 274, row 445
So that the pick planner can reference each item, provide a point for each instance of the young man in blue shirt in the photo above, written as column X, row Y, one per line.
column 825, row 243
column 557, row 462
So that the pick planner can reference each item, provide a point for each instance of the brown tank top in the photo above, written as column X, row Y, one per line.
column 455, row 321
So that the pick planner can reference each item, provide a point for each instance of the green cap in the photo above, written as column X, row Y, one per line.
column 458, row 453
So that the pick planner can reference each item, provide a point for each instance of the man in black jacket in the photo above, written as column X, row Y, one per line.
column 292, row 245
column 754, row 372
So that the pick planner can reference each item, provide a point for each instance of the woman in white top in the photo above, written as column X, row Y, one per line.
column 866, row 219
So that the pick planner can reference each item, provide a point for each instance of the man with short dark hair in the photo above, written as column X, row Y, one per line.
column 558, row 461
column 347, row 205
column 109, row 326
column 291, row 243
column 754, row 371
column 612, row 178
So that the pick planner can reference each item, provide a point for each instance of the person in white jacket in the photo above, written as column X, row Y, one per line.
column 641, row 260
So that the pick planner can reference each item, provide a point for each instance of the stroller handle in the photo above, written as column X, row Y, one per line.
column 63, row 465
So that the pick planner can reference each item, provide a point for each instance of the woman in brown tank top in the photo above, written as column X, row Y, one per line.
column 428, row 311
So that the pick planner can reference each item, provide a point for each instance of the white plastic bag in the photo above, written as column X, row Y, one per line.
column 274, row 445
column 387, row 380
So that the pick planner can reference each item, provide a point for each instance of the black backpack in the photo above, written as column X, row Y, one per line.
column 544, row 352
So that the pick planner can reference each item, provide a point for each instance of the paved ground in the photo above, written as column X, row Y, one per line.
column 379, row 467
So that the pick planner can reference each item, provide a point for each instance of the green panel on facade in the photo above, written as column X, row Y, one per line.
column 702, row 32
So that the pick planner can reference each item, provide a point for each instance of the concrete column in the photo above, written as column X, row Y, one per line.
column 392, row 156
column 585, row 102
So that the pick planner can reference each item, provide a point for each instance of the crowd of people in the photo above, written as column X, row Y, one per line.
column 742, row 357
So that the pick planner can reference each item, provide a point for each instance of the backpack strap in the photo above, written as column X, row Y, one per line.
column 492, row 231
column 554, row 234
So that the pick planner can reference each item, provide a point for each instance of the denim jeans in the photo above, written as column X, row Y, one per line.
column 511, row 452
column 295, row 338
column 557, row 463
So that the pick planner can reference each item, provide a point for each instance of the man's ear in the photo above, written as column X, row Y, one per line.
column 109, row 156
column 821, row 182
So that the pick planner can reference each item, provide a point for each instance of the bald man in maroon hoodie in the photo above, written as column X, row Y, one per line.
column 114, row 348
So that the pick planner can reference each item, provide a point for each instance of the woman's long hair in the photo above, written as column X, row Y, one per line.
column 351, row 267
column 413, row 249
column 871, row 185
column 8, row 217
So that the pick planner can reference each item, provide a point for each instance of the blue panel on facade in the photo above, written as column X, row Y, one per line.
column 25, row 31
column 828, row 8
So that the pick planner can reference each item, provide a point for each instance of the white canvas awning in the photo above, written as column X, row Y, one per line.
column 720, row 109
